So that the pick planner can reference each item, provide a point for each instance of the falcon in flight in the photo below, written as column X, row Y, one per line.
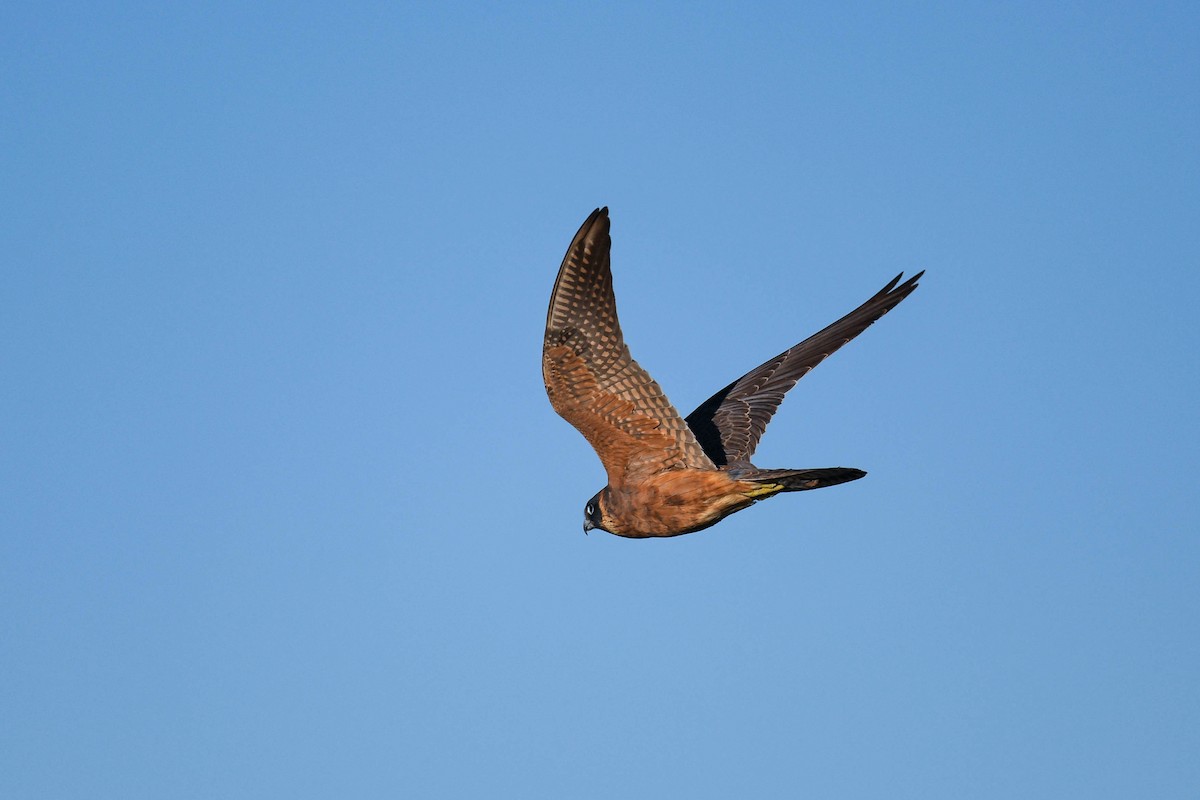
column 669, row 475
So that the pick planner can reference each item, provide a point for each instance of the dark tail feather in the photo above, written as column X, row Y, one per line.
column 798, row 480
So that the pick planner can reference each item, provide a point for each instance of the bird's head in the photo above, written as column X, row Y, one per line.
column 593, row 513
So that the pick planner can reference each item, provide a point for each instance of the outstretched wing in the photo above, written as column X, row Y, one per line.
column 730, row 423
column 594, row 383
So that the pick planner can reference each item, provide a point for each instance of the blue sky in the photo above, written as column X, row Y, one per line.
column 286, row 512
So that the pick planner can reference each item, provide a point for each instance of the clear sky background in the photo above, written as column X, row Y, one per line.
column 285, row 511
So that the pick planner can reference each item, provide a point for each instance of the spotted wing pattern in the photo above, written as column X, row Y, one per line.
column 592, row 380
column 730, row 423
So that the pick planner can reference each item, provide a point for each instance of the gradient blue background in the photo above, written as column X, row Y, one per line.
column 285, row 511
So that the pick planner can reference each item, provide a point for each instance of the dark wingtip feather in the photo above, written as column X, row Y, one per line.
column 799, row 480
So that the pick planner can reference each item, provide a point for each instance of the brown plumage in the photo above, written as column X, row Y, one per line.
column 668, row 475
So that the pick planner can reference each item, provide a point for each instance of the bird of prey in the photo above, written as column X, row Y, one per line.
column 668, row 475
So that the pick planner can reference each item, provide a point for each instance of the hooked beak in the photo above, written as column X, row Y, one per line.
column 587, row 526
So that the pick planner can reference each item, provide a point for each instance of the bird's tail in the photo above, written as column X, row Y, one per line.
column 799, row 480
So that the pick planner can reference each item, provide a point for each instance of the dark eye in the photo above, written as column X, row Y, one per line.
column 591, row 509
